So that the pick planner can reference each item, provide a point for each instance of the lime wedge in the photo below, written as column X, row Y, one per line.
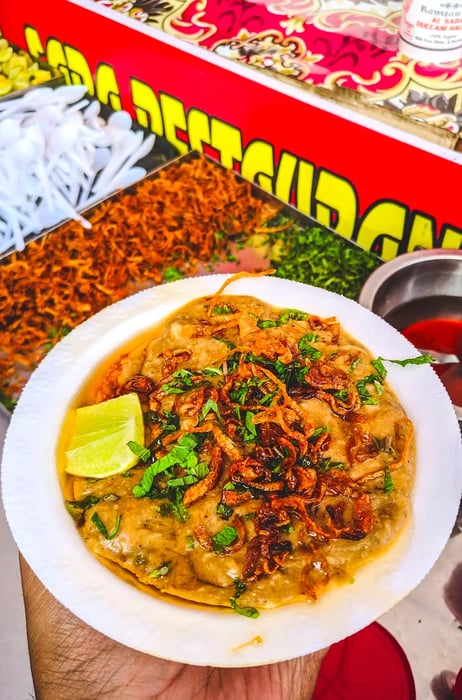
column 98, row 445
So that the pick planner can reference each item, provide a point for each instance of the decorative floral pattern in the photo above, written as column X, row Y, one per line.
column 347, row 44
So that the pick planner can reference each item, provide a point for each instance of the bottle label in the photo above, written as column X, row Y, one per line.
column 433, row 26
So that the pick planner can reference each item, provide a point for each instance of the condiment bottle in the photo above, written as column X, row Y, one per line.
column 431, row 30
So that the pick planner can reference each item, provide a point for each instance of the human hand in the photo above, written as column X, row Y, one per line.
column 72, row 661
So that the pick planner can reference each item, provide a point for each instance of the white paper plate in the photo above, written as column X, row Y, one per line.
column 49, row 541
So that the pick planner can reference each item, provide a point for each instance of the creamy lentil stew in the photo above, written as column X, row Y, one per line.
column 278, row 458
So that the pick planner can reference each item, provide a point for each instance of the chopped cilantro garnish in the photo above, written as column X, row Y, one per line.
column 240, row 587
column 266, row 323
column 246, row 611
column 308, row 350
column 388, row 484
column 183, row 453
column 139, row 450
column 210, row 405
column 354, row 364
column 183, row 379
column 212, row 370
column 222, row 309
column 319, row 431
column 419, row 360
column 224, row 511
column 311, row 254
column 229, row 344
column 224, row 538
column 379, row 367
column 342, row 394
column 376, row 380
column 186, row 480
column 291, row 314
column 167, row 420
column 326, row 463
column 171, row 274
column 250, row 431
column 77, row 508
column 177, row 507
column 102, row 528
column 161, row 571
column 85, row 503
column 365, row 395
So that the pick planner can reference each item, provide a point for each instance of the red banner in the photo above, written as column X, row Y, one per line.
column 390, row 189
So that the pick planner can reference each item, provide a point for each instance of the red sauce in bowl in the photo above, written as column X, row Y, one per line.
column 441, row 335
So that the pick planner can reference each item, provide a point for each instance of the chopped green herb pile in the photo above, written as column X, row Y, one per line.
column 317, row 256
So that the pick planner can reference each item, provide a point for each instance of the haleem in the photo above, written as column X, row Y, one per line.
column 275, row 460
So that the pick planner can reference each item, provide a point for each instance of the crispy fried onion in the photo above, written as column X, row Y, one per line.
column 336, row 507
column 370, row 455
column 139, row 384
column 265, row 456
column 333, row 506
column 267, row 551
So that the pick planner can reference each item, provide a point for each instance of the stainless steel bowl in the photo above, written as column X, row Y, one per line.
column 416, row 286
column 427, row 282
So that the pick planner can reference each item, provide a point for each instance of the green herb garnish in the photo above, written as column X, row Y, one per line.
column 102, row 528
column 171, row 274
column 325, row 464
column 388, row 484
column 224, row 538
column 419, row 360
column 224, row 511
column 354, row 364
column 210, row 405
column 308, row 350
column 139, row 450
column 240, row 587
column 246, row 611
column 183, row 379
column 306, row 252
column 266, row 323
column 161, row 571
column 250, row 430
column 77, row 508
column 181, row 454
column 222, row 309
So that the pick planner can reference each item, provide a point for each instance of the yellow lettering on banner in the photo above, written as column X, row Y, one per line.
column 258, row 164
column 304, row 186
column 68, row 60
column 285, row 176
column 174, row 118
column 198, row 129
column 57, row 58
column 336, row 204
column 227, row 140
column 33, row 42
column 451, row 238
column 382, row 228
column 107, row 88
column 387, row 247
column 79, row 70
column 147, row 108
column 422, row 232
